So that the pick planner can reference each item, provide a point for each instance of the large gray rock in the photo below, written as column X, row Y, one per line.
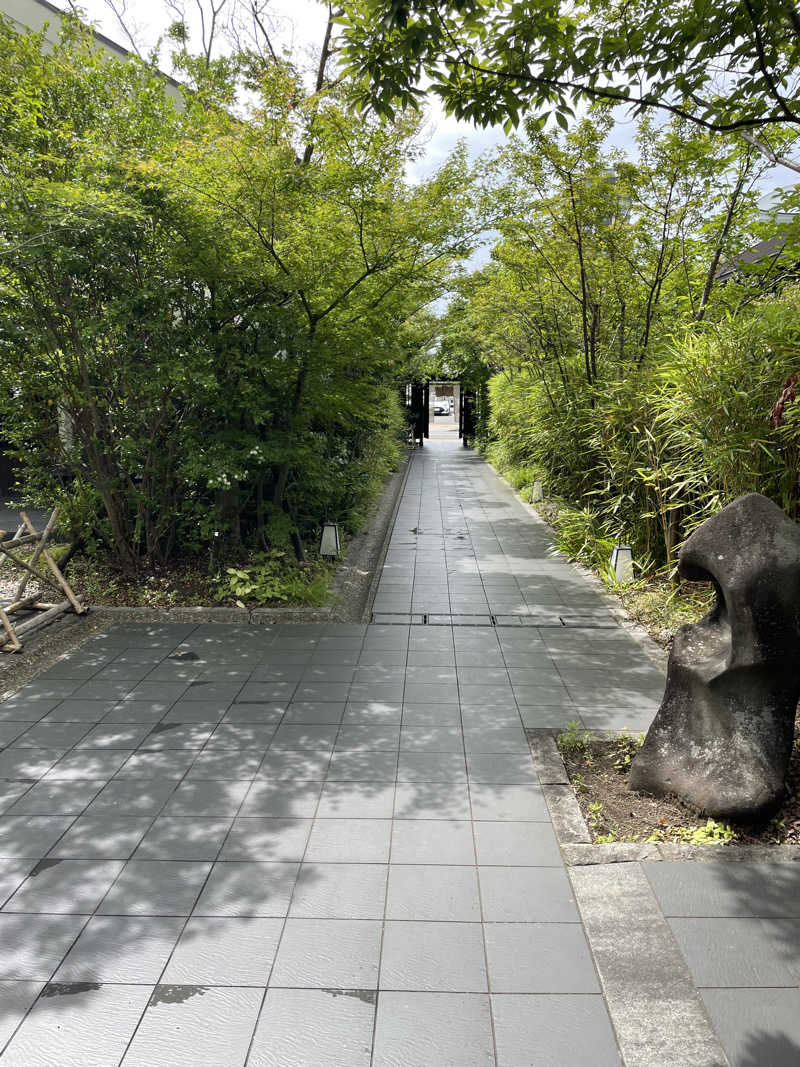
column 722, row 738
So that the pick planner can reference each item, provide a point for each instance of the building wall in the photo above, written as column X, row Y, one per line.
column 36, row 14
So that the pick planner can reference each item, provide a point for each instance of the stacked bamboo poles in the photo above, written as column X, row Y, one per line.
column 45, row 612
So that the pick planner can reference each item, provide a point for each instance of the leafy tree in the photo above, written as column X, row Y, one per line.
column 601, row 268
column 340, row 241
column 87, row 272
column 729, row 67
column 598, row 257
column 201, row 319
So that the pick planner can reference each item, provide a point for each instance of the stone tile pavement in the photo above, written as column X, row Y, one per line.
column 738, row 926
column 326, row 845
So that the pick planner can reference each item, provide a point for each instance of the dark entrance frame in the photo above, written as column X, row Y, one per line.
column 466, row 415
column 415, row 398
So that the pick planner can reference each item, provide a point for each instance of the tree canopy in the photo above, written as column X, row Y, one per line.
column 203, row 313
column 731, row 66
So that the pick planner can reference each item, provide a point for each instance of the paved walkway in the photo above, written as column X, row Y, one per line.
column 326, row 846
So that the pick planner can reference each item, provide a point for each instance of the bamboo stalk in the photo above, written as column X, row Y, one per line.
column 45, row 617
column 33, row 602
column 34, row 623
column 18, row 605
column 40, row 547
column 21, row 563
column 51, row 563
column 9, row 636
column 45, row 612
column 15, row 542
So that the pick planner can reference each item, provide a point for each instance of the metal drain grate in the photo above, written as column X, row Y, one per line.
column 540, row 619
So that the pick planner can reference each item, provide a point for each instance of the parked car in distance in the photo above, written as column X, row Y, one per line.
column 441, row 409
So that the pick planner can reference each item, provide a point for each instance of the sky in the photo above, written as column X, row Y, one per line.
column 299, row 24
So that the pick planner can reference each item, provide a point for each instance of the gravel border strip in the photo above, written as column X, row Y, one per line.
column 44, row 649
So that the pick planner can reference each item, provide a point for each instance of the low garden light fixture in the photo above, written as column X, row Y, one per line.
column 330, row 543
column 622, row 563
column 537, row 492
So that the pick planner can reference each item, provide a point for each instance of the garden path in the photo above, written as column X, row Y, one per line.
column 327, row 846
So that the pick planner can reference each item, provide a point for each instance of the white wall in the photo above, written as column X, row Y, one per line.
column 34, row 14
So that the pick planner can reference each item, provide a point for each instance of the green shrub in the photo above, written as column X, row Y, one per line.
column 648, row 456
column 273, row 577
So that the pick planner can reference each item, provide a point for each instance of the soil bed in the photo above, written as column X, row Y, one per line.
column 598, row 771
column 183, row 583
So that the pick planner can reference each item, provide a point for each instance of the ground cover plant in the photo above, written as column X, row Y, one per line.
column 598, row 768
column 730, row 68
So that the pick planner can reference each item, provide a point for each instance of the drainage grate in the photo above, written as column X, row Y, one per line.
column 539, row 619
column 597, row 622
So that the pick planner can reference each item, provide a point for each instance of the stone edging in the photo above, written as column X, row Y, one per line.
column 658, row 1015
column 388, row 530
column 575, row 839
column 656, row 1011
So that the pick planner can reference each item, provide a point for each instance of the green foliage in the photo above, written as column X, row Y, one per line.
column 584, row 536
column 646, row 458
column 726, row 67
column 574, row 739
column 712, row 833
column 273, row 578
column 663, row 606
column 594, row 815
column 519, row 478
column 626, row 748
column 634, row 385
column 202, row 315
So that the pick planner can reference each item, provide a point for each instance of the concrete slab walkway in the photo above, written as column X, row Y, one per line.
column 326, row 845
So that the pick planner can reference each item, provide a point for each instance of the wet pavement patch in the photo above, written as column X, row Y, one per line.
column 68, row 989
column 368, row 996
column 176, row 994
column 42, row 866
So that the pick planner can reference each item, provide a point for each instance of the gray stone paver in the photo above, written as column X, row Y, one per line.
column 326, row 844
column 737, row 925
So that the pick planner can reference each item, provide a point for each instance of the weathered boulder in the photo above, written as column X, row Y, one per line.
column 722, row 738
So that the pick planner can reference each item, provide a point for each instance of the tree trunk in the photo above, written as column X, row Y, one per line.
column 230, row 513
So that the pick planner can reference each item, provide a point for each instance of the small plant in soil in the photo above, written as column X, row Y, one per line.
column 626, row 746
column 574, row 739
column 712, row 833
column 598, row 768
column 594, row 815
